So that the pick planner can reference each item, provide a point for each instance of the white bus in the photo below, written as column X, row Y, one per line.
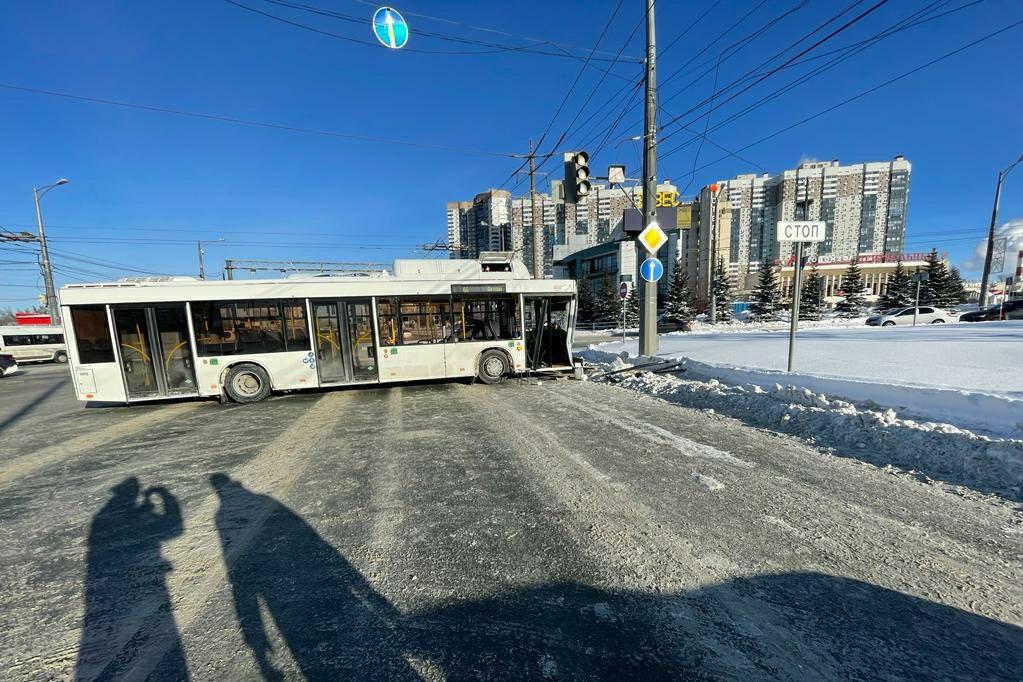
column 34, row 343
column 142, row 340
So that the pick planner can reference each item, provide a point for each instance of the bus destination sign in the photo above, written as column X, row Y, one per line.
column 478, row 288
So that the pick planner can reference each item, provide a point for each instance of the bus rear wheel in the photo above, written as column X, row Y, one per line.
column 60, row 358
column 247, row 383
column 493, row 367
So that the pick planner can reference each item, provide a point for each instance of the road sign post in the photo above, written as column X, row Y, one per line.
column 919, row 278
column 623, row 293
column 798, row 231
column 652, row 238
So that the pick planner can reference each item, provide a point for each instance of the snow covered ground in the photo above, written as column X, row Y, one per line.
column 970, row 375
column 936, row 452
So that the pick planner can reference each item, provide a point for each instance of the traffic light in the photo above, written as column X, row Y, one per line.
column 577, row 176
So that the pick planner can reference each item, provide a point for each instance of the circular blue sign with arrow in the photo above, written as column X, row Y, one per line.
column 390, row 28
column 651, row 270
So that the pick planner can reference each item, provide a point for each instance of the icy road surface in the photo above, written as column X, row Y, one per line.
column 569, row 530
column 983, row 357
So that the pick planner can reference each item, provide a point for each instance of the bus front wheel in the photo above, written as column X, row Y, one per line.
column 247, row 383
column 493, row 367
column 60, row 357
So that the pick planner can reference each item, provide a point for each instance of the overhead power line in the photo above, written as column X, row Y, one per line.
column 849, row 52
column 868, row 91
column 844, row 27
column 198, row 231
column 810, row 58
column 486, row 29
column 725, row 54
column 564, row 100
column 250, row 122
column 362, row 21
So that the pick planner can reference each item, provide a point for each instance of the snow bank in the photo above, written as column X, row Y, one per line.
column 974, row 410
column 936, row 450
column 969, row 375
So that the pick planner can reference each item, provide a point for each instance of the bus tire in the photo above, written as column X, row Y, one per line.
column 247, row 383
column 60, row 357
column 493, row 367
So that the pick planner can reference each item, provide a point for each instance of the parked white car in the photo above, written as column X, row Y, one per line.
column 904, row 316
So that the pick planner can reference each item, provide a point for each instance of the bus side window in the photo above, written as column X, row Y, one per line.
column 214, row 328
column 387, row 322
column 92, row 334
column 297, row 334
column 425, row 320
column 486, row 318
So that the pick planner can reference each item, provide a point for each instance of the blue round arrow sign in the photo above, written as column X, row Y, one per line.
column 390, row 28
column 651, row 270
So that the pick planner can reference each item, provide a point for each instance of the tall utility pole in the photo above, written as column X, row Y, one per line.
column 52, row 309
column 202, row 269
column 538, row 245
column 712, row 258
column 991, row 232
column 648, row 308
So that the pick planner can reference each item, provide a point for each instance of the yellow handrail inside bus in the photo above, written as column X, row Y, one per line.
column 173, row 351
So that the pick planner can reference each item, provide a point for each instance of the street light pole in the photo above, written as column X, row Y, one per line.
column 202, row 269
column 1002, row 174
column 52, row 309
column 648, row 309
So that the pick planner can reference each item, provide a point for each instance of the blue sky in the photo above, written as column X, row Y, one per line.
column 139, row 175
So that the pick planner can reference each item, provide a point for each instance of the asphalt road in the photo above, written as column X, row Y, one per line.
column 566, row 530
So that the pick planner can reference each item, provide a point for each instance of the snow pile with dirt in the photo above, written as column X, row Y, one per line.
column 970, row 375
column 881, row 435
column 740, row 327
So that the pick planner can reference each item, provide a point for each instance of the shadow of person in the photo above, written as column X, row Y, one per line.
column 796, row 626
column 778, row 626
column 335, row 625
column 125, row 583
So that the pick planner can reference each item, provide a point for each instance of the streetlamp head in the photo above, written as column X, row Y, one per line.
column 62, row 181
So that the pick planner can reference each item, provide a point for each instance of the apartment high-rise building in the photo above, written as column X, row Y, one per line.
column 483, row 224
column 863, row 205
column 494, row 221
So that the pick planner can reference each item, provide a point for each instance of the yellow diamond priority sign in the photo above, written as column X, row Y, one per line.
column 653, row 238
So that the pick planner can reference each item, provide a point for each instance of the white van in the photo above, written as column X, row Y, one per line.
column 34, row 343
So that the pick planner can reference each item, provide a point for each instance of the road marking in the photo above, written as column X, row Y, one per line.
column 663, row 437
column 29, row 463
column 628, row 533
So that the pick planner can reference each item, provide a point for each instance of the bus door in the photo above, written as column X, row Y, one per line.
column 345, row 348
column 548, row 331
column 156, row 354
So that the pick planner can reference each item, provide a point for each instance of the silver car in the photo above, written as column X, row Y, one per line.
column 904, row 316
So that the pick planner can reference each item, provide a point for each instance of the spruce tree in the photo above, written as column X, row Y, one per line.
column 853, row 293
column 936, row 291
column 811, row 297
column 585, row 301
column 722, row 293
column 607, row 307
column 956, row 288
column 677, row 306
column 900, row 291
column 766, row 299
